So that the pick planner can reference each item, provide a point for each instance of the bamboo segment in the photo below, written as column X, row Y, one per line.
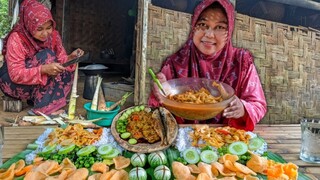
column 94, row 104
column 73, row 96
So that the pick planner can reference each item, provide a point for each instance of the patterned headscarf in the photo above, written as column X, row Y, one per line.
column 32, row 15
column 227, row 65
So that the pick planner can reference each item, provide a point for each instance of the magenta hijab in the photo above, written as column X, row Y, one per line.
column 32, row 15
column 227, row 65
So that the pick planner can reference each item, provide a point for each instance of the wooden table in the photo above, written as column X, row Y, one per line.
column 281, row 139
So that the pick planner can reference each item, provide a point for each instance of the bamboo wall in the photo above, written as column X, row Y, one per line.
column 287, row 59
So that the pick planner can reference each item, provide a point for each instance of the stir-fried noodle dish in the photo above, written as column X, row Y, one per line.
column 202, row 96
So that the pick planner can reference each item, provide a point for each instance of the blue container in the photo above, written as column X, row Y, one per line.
column 106, row 115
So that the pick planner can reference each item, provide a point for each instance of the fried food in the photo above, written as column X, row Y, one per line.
column 74, row 134
column 202, row 96
column 159, row 126
column 218, row 136
column 141, row 126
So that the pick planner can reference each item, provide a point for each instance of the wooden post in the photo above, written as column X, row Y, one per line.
column 141, row 48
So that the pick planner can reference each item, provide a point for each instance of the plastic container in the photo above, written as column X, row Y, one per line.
column 191, row 111
column 106, row 115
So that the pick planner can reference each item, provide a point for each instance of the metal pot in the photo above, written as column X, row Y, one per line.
column 91, row 71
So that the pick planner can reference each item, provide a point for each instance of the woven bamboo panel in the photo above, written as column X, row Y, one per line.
column 287, row 59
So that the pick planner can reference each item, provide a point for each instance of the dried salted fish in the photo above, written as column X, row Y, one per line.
column 169, row 121
column 159, row 126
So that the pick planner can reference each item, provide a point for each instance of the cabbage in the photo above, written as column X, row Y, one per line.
column 138, row 159
column 162, row 172
column 157, row 158
column 138, row 173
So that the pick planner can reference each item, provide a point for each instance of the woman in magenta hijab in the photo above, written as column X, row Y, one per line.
column 209, row 53
column 33, row 54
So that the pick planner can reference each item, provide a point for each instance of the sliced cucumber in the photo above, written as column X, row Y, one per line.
column 105, row 149
column 66, row 149
column 255, row 143
column 238, row 148
column 132, row 141
column 191, row 156
column 136, row 109
column 48, row 149
column 125, row 135
column 208, row 156
column 86, row 150
column 112, row 154
column 141, row 107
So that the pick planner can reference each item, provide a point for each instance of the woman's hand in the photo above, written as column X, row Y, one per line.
column 162, row 78
column 76, row 53
column 52, row 69
column 235, row 109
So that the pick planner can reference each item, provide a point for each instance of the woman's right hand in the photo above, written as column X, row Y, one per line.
column 52, row 69
column 162, row 78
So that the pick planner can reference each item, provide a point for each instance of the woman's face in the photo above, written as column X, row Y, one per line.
column 43, row 32
column 211, row 30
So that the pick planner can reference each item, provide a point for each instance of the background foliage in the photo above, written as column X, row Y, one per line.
column 5, row 19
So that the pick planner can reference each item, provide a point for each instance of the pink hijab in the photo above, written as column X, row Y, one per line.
column 228, row 65
column 32, row 15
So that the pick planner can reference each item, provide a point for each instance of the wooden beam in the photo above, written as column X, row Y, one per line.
column 141, row 48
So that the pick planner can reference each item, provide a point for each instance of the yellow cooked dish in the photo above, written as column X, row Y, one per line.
column 203, row 96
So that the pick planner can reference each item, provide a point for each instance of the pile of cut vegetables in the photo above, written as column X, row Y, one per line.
column 190, row 163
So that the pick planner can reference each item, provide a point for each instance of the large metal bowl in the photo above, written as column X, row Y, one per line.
column 93, row 69
column 191, row 111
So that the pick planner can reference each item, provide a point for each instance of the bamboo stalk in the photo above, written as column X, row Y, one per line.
column 73, row 96
column 94, row 103
column 101, row 101
column 120, row 102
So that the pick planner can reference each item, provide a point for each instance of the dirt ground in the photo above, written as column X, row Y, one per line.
column 9, row 117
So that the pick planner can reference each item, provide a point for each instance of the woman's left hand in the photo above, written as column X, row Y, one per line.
column 76, row 53
column 235, row 109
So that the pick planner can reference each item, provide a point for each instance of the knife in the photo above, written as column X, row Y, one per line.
column 75, row 60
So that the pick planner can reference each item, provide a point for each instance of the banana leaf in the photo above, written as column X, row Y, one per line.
column 276, row 157
column 15, row 158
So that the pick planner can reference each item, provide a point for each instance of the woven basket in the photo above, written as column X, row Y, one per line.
column 287, row 59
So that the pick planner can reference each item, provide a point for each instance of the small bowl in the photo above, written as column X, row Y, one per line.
column 192, row 111
column 106, row 115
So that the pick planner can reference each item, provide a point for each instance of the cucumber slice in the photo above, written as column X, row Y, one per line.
column 132, row 141
column 238, row 148
column 86, row 150
column 48, row 149
column 255, row 143
column 66, row 149
column 136, row 109
column 114, row 153
column 191, row 156
column 208, row 156
column 125, row 135
column 105, row 149
column 141, row 107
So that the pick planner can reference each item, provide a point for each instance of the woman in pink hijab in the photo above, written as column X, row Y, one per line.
column 33, row 54
column 209, row 53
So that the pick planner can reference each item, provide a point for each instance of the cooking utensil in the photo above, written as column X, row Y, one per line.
column 76, row 60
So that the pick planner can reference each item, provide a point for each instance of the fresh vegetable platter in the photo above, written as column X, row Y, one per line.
column 144, row 129
column 190, row 156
